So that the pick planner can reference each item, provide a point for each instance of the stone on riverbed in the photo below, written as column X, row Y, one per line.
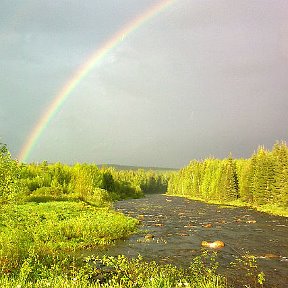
column 149, row 236
column 213, row 245
column 207, row 225
column 251, row 221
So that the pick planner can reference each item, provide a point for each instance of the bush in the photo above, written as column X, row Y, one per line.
column 10, row 184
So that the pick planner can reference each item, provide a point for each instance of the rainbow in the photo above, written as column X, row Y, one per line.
column 83, row 71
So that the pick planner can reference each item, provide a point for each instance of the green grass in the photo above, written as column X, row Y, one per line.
column 114, row 272
column 267, row 208
column 273, row 209
column 50, row 228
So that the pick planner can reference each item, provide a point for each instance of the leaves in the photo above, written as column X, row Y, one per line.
column 262, row 179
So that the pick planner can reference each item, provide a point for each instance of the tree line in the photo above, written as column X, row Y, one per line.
column 261, row 179
column 85, row 181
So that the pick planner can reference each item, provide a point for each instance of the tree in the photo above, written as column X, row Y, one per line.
column 231, row 181
column 108, row 182
column 263, row 180
column 280, row 189
column 245, row 177
column 10, row 184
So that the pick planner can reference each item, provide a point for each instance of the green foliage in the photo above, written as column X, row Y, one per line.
column 52, row 227
column 108, row 181
column 85, row 178
column 260, row 180
column 262, row 176
column 229, row 180
column 83, row 181
column 66, row 271
column 10, row 182
column 245, row 177
column 280, row 189
column 248, row 272
column 142, row 181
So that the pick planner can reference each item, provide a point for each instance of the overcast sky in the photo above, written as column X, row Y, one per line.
column 202, row 78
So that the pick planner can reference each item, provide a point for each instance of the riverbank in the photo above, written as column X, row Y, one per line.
column 271, row 209
column 41, row 244
column 51, row 228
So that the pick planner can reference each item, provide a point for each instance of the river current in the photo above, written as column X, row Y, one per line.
column 175, row 227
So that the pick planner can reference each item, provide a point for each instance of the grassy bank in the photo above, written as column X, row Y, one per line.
column 266, row 208
column 272, row 209
column 47, row 229
column 37, row 241
column 112, row 272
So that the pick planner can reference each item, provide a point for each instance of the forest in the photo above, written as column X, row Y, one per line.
column 258, row 181
column 51, row 211
column 82, row 181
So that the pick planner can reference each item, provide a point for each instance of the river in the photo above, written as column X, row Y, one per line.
column 179, row 225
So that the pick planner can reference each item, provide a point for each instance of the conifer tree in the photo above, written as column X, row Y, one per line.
column 280, row 189
column 245, row 176
column 230, row 180
column 263, row 177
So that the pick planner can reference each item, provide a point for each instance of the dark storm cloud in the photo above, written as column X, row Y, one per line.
column 202, row 78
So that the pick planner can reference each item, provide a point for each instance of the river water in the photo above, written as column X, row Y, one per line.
column 179, row 226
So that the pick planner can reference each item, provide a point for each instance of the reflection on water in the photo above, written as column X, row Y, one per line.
column 179, row 225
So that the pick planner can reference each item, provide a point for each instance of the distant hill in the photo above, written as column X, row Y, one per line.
column 127, row 167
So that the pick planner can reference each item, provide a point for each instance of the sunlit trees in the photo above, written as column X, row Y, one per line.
column 87, row 181
column 195, row 178
column 10, row 182
column 280, row 189
column 245, row 175
column 84, row 180
column 262, row 179
column 229, row 183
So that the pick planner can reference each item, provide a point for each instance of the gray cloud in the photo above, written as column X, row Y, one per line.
column 202, row 78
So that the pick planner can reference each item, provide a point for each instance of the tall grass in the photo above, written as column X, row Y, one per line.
column 113, row 272
column 52, row 227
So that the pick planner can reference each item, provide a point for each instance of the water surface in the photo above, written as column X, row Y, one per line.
column 179, row 226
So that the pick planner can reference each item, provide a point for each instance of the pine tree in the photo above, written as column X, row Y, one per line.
column 280, row 189
column 232, row 179
column 263, row 177
column 245, row 177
